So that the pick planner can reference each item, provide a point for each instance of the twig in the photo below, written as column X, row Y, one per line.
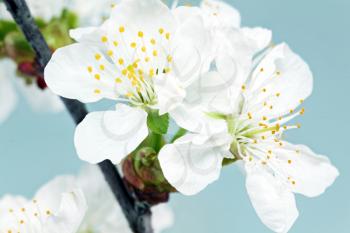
column 137, row 213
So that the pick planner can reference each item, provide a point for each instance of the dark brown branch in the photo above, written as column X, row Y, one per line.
column 137, row 213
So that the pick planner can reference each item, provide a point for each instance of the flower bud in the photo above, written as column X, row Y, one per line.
column 142, row 171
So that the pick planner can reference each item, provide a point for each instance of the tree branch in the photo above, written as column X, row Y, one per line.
column 137, row 213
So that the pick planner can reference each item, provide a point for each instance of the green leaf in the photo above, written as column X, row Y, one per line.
column 158, row 124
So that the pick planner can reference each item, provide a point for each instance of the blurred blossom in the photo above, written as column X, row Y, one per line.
column 49, row 211
column 58, row 208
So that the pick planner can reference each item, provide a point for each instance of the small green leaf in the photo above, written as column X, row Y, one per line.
column 158, row 124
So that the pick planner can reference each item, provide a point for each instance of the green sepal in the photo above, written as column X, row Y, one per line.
column 156, row 123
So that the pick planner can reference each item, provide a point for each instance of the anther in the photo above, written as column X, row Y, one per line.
column 121, row 29
column 98, row 56
column 110, row 53
column 89, row 69
column 250, row 116
column 104, row 39
column 155, row 53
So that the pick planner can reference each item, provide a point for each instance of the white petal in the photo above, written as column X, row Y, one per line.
column 220, row 14
column 85, row 34
column 162, row 217
column 311, row 174
column 8, row 97
column 92, row 12
column 287, row 80
column 99, row 212
column 211, row 91
column 148, row 16
column 272, row 200
column 49, row 196
column 259, row 38
column 110, row 135
column 10, row 202
column 243, row 45
column 70, row 215
column 102, row 216
column 192, row 162
column 195, row 119
column 233, row 60
column 169, row 93
column 67, row 74
column 65, row 202
column 183, row 13
column 190, row 49
column 10, row 207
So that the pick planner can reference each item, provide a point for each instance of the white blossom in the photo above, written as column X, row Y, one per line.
column 135, row 58
column 241, row 111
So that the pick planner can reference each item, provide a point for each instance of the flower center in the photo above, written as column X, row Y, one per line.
column 252, row 139
column 134, row 59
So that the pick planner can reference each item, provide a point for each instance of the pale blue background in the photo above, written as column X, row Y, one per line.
column 34, row 148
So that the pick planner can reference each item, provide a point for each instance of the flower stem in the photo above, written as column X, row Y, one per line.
column 137, row 213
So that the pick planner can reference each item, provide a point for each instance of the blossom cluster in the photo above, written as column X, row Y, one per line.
column 193, row 91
